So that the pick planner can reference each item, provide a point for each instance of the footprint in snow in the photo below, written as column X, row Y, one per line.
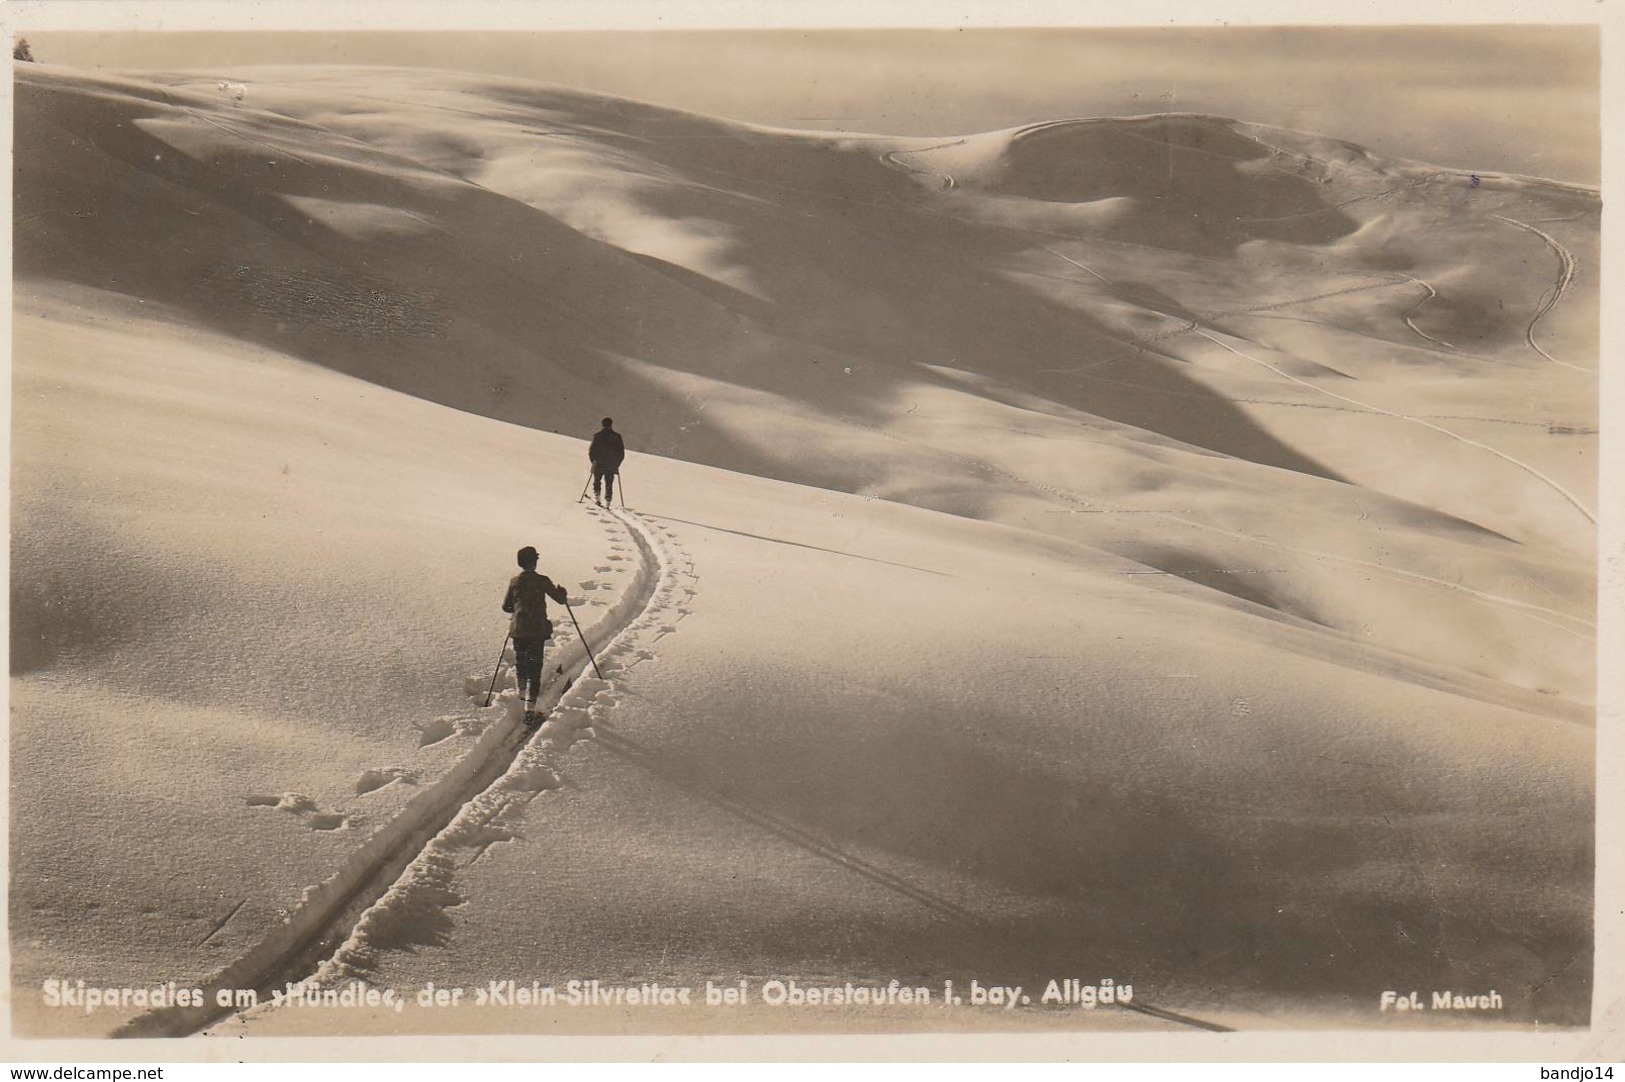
column 372, row 780
column 435, row 731
column 474, row 686
column 302, row 806
column 534, row 779
column 482, row 838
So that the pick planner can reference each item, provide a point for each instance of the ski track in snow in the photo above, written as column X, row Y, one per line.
column 1075, row 263
column 393, row 887
column 1563, row 621
column 1413, row 309
column 410, row 911
column 1573, row 625
column 410, row 907
column 1187, row 325
column 890, row 158
column 1120, row 126
column 410, row 914
column 1559, row 489
column 1348, row 202
column 406, row 915
column 1549, row 299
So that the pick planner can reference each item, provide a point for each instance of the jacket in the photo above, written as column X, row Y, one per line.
column 607, row 451
column 527, row 600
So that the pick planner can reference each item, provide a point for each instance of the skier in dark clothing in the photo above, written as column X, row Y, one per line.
column 530, row 627
column 607, row 453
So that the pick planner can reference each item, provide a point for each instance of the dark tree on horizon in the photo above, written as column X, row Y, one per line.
column 21, row 51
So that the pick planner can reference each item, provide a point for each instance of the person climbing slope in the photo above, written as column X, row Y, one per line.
column 606, row 453
column 530, row 628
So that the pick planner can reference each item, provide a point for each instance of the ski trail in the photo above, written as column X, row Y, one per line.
column 1549, row 299
column 1119, row 126
column 1386, row 283
column 1137, row 345
column 1538, row 613
column 428, row 883
column 811, row 842
column 1187, row 325
column 890, row 158
column 228, row 129
column 1347, row 202
column 460, row 807
column 1413, row 309
column 1559, row 489
column 1075, row 263
column 787, row 830
column 1080, row 504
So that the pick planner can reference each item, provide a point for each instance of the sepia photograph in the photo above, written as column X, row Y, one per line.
column 638, row 530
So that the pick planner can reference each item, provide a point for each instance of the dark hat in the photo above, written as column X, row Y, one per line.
column 527, row 557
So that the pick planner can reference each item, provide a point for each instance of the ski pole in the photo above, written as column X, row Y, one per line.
column 585, row 487
column 492, row 689
column 583, row 636
column 621, row 488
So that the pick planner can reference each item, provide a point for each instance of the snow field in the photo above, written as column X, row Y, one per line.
column 883, row 788
column 1038, row 584
column 294, row 680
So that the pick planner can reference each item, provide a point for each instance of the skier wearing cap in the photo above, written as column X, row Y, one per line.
column 527, row 600
column 607, row 453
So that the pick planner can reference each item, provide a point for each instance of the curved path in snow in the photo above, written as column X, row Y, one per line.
column 1187, row 326
column 890, row 158
column 1548, row 300
column 1413, row 309
column 338, row 912
column 664, row 582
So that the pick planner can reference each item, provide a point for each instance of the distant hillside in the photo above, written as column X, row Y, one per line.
column 1064, row 316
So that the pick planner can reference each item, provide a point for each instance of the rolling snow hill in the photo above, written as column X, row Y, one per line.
column 1161, row 546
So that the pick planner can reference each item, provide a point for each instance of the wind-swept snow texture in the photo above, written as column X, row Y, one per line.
column 1159, row 548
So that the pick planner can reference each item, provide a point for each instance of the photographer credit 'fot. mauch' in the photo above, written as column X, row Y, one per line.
column 1051, row 530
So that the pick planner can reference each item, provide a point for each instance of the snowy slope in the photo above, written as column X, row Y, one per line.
column 853, row 332
column 255, row 607
column 959, row 754
column 1170, row 528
